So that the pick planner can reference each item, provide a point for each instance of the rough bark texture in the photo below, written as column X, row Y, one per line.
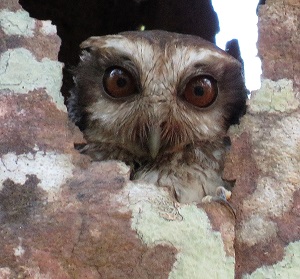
column 264, row 159
column 63, row 216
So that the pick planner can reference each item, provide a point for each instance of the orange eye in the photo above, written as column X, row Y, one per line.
column 119, row 83
column 201, row 91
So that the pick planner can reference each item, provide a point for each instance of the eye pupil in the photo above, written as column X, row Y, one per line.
column 118, row 82
column 121, row 82
column 199, row 91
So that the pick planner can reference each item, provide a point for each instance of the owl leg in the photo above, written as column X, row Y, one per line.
column 222, row 196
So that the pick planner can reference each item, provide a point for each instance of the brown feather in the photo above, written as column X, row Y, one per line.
column 190, row 156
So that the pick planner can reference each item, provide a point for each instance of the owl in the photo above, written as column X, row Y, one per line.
column 162, row 103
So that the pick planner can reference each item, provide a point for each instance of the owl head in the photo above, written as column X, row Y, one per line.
column 153, row 93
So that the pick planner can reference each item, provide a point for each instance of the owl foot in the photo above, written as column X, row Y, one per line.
column 222, row 196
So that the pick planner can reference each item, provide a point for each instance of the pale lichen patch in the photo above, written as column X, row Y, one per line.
column 257, row 229
column 275, row 150
column 48, row 28
column 159, row 220
column 21, row 72
column 51, row 169
column 17, row 23
column 19, row 250
column 278, row 147
column 276, row 153
column 5, row 272
column 287, row 268
column 274, row 96
column 270, row 198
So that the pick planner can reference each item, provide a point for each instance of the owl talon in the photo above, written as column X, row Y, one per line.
column 223, row 193
column 222, row 197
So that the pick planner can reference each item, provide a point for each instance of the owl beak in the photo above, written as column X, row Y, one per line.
column 154, row 140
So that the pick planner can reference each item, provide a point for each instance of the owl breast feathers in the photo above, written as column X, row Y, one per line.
column 160, row 102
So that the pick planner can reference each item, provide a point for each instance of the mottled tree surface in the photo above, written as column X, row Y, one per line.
column 63, row 216
column 265, row 156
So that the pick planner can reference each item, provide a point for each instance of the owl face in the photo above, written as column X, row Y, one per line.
column 155, row 93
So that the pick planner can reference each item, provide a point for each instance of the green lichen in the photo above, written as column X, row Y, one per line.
column 274, row 96
column 17, row 23
column 288, row 268
column 20, row 73
column 201, row 250
column 51, row 169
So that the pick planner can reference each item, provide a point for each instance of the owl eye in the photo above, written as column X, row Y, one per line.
column 118, row 82
column 201, row 91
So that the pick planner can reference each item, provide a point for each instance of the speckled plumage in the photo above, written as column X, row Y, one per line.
column 165, row 139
